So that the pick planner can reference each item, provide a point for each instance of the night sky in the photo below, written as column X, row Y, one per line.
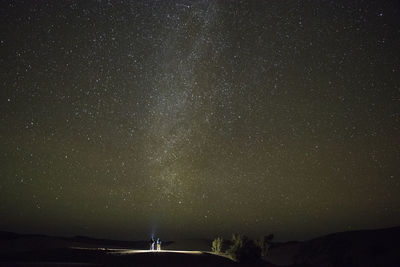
column 123, row 119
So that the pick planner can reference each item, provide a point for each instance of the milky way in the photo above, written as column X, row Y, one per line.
column 183, row 119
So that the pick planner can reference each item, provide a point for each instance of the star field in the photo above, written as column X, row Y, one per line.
column 199, row 118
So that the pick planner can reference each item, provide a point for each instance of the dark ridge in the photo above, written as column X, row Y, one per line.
column 378, row 247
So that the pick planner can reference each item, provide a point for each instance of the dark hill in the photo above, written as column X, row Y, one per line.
column 355, row 248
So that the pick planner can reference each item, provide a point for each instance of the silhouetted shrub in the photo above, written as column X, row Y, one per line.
column 265, row 243
column 217, row 245
column 244, row 249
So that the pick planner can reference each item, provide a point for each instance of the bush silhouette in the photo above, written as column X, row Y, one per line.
column 244, row 249
column 265, row 244
column 217, row 245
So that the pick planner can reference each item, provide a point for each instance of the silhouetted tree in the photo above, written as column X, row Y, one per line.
column 217, row 245
column 244, row 249
column 265, row 244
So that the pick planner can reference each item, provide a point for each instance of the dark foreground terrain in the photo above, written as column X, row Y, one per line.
column 367, row 248
column 107, row 257
column 41, row 250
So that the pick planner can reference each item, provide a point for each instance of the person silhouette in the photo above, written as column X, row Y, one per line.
column 152, row 243
column 158, row 244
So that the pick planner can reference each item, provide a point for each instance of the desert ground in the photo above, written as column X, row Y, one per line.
column 117, row 257
column 40, row 250
column 112, row 257
column 366, row 248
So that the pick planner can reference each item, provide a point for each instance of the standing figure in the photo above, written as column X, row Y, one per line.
column 152, row 243
column 158, row 244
